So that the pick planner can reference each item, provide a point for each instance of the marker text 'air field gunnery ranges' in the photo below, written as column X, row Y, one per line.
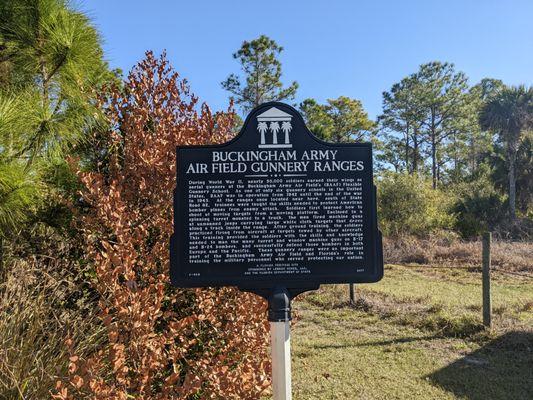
column 275, row 161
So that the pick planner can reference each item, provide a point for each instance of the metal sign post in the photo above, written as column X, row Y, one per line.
column 281, row 359
column 279, row 315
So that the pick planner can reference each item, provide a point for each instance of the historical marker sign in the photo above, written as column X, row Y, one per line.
column 275, row 207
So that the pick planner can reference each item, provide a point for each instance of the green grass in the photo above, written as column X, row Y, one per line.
column 415, row 335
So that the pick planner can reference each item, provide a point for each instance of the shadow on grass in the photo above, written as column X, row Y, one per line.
column 502, row 369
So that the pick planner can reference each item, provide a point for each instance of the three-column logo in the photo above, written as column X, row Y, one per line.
column 274, row 120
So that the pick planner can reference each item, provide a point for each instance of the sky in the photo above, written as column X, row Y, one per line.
column 331, row 48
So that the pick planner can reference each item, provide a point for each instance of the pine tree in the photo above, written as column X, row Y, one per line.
column 340, row 120
column 428, row 109
column 55, row 63
column 402, row 114
column 442, row 97
column 52, row 64
column 262, row 75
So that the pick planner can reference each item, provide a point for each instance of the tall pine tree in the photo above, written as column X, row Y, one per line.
column 340, row 120
column 262, row 75
column 52, row 64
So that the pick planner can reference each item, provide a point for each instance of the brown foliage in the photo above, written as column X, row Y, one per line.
column 162, row 343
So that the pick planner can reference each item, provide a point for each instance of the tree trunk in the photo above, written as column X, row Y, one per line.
column 455, row 155
column 433, row 151
column 512, row 184
column 415, row 151
column 434, row 161
column 472, row 154
column 257, row 98
column 407, row 148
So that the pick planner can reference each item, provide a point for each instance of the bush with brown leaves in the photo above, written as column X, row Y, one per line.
column 162, row 342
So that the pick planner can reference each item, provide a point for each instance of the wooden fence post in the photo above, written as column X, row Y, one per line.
column 487, row 306
column 352, row 294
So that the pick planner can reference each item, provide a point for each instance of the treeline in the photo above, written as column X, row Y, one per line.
column 469, row 144
column 474, row 142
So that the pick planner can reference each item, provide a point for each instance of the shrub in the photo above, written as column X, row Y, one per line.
column 478, row 206
column 407, row 204
column 162, row 342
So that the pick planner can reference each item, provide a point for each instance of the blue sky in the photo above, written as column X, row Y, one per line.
column 332, row 48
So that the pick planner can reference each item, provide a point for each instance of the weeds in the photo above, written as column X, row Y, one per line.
column 451, row 326
column 40, row 306
column 449, row 252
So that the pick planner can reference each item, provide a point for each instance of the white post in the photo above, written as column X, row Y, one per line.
column 280, row 335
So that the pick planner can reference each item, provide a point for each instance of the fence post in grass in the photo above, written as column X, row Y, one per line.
column 352, row 294
column 487, row 306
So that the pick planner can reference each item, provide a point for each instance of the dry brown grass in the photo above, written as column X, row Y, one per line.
column 41, row 304
column 450, row 252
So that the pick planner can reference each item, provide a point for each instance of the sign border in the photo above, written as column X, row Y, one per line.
column 301, row 281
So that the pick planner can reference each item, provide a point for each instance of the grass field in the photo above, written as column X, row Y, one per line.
column 415, row 335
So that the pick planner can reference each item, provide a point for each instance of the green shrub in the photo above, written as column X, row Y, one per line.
column 478, row 206
column 407, row 204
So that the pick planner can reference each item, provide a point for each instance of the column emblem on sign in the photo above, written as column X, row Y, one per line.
column 273, row 120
